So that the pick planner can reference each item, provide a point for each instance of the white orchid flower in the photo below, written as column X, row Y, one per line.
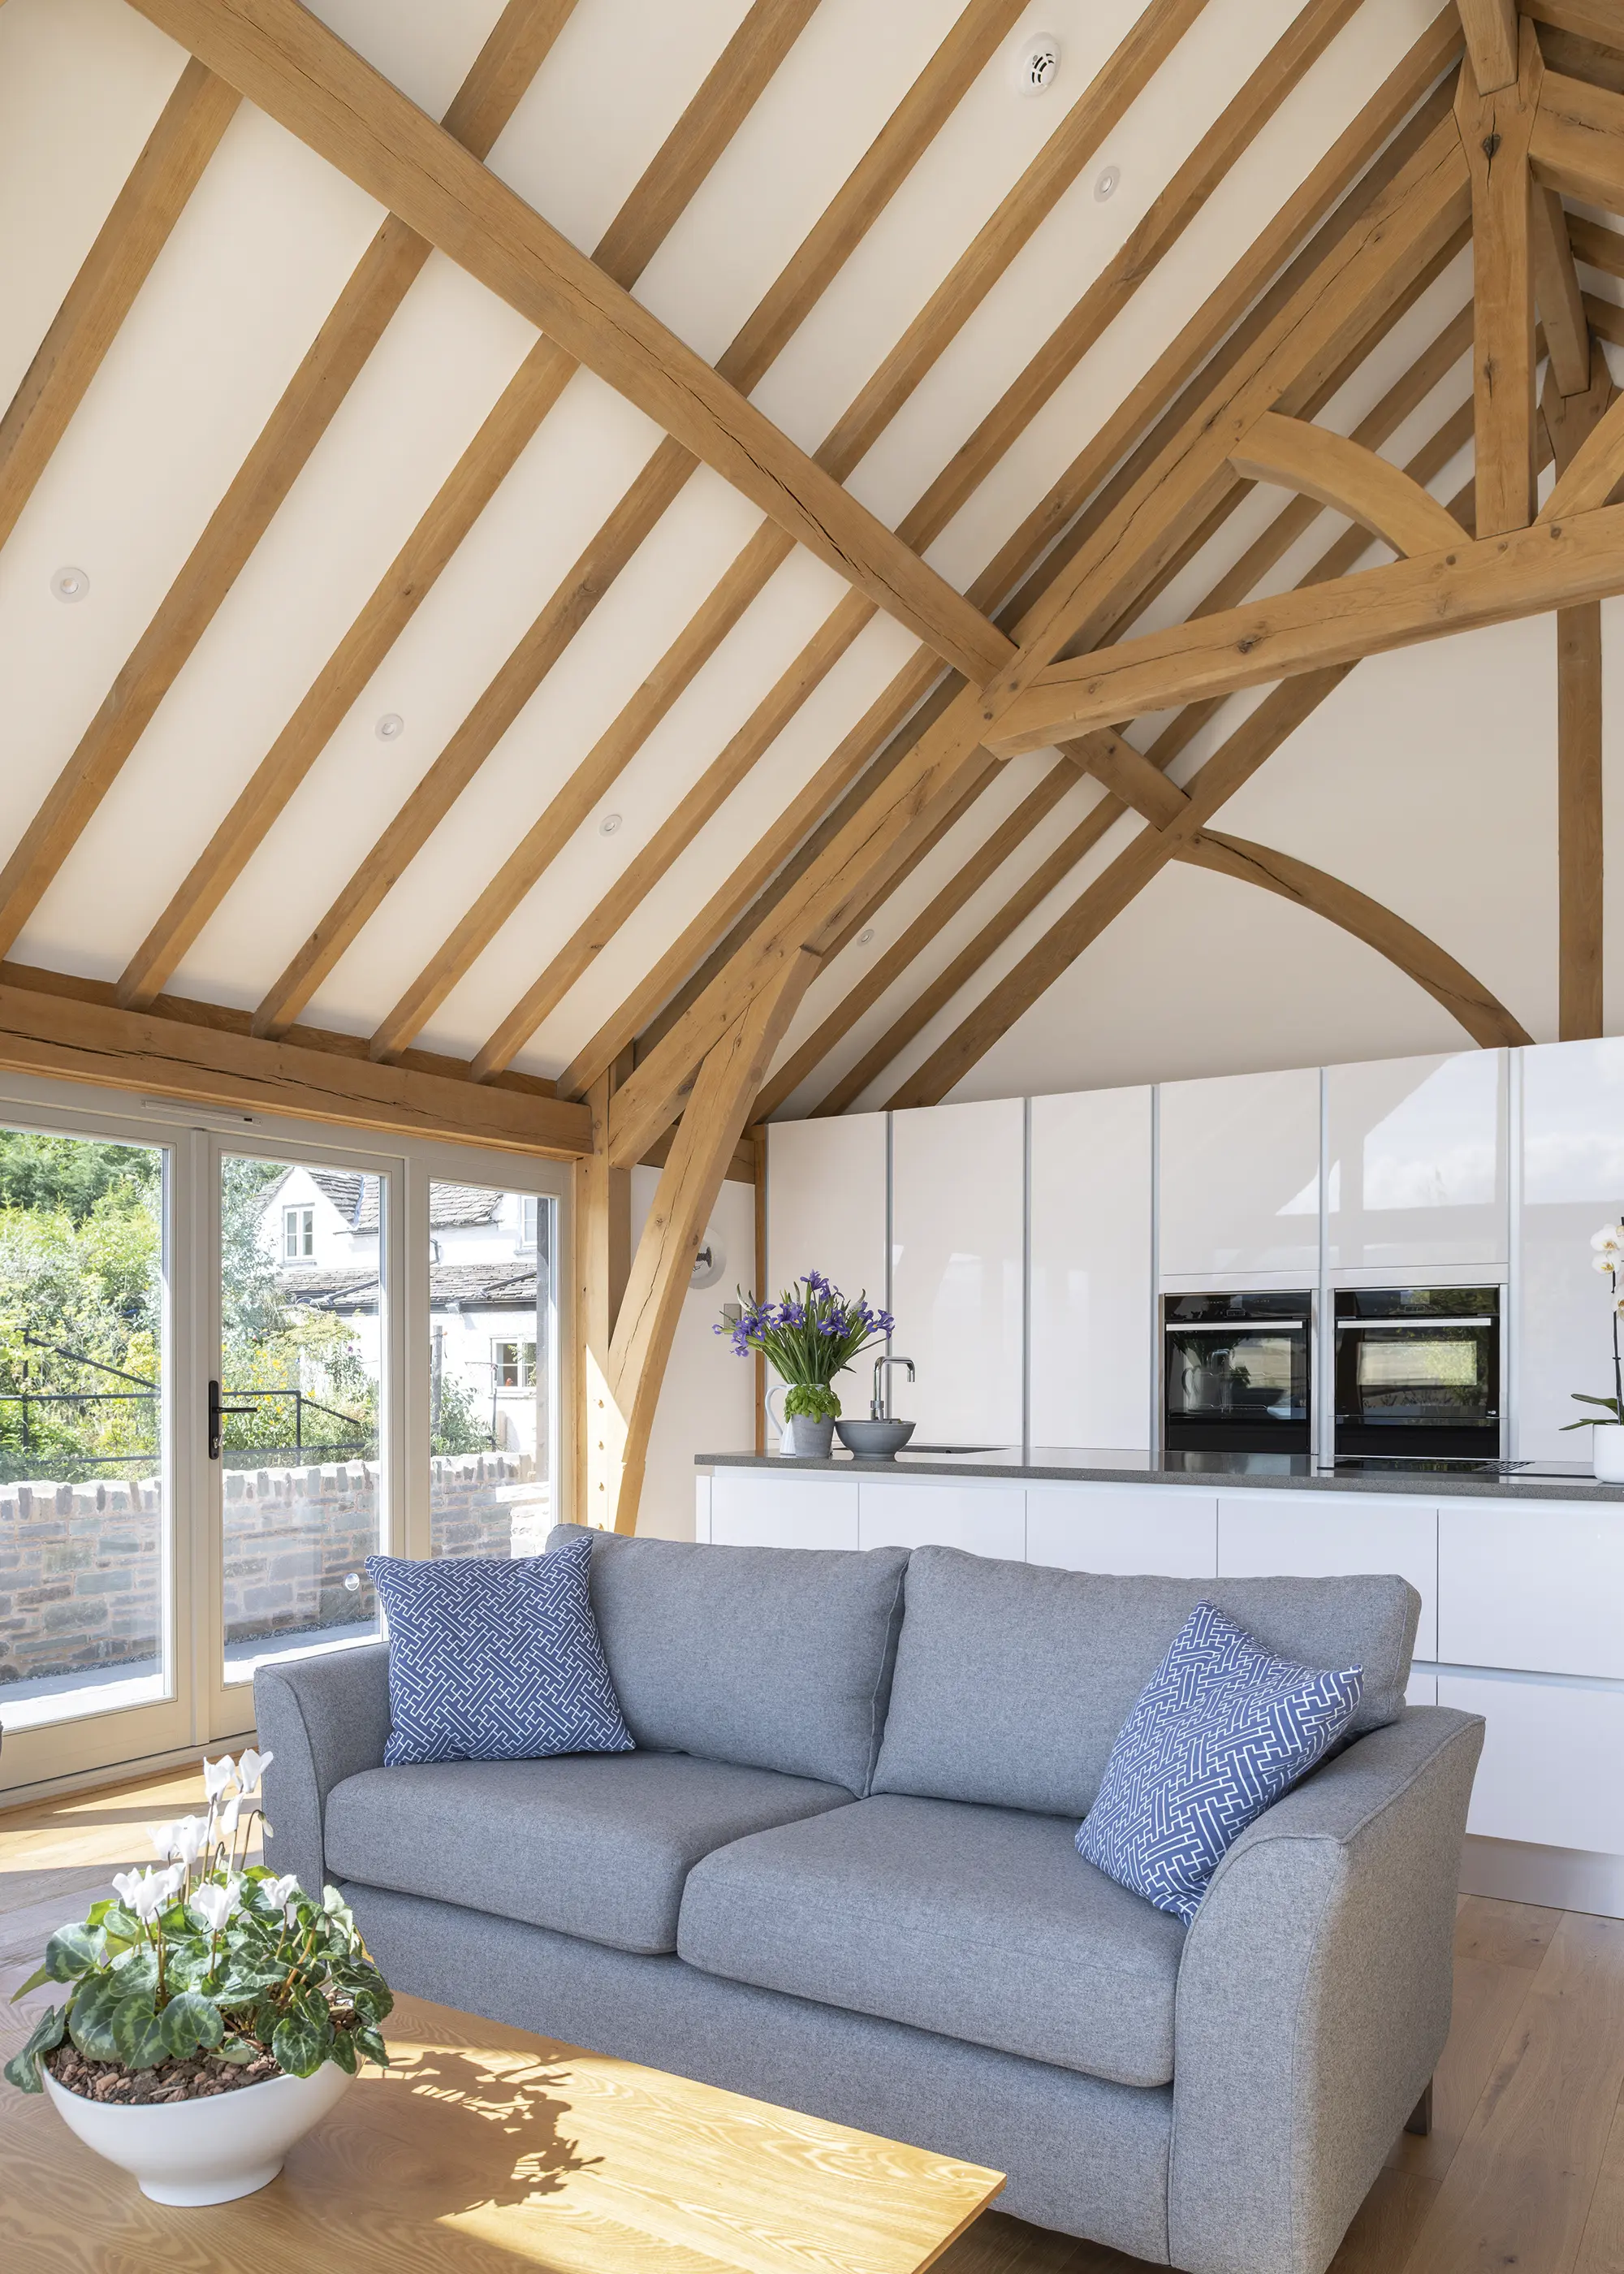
column 214, row 1903
column 279, row 1892
column 1607, row 1263
column 1610, row 1235
column 250, row 1769
column 218, row 1775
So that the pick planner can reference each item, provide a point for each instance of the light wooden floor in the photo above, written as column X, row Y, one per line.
column 1524, row 2168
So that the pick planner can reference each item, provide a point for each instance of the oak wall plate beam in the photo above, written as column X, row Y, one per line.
column 1496, row 130
column 70, row 1039
column 1494, row 580
column 111, row 273
column 1343, row 474
column 286, row 62
column 305, row 409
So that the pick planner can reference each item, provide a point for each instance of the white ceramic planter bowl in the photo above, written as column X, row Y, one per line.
column 1607, row 1451
column 204, row 2151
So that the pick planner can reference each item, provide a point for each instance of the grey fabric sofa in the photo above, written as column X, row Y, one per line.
column 838, row 1874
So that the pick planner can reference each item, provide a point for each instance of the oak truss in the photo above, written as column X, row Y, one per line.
column 1479, row 135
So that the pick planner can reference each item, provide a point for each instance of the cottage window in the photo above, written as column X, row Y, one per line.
column 514, row 1365
column 298, row 1234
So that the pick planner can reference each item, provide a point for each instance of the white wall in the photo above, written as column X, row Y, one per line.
column 705, row 1400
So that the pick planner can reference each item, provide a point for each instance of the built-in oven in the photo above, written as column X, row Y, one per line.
column 1235, row 1372
column 1416, row 1372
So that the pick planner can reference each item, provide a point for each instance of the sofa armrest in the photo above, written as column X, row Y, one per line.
column 324, row 1718
column 1313, row 2000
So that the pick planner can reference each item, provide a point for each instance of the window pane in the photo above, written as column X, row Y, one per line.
column 303, row 1327
column 492, row 1357
column 83, row 1485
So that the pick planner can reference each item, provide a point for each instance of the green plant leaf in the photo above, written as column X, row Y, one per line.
column 238, row 2051
column 190, row 2021
column 372, row 2046
column 298, row 2046
column 343, row 2051
column 90, row 2017
column 23, row 2068
column 138, row 2031
column 72, row 1951
column 41, row 1974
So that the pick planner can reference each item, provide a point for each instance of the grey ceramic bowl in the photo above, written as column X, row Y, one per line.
column 874, row 1441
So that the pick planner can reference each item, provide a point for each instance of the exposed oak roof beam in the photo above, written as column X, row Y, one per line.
column 286, row 62
column 1335, row 470
column 1495, row 133
column 101, row 295
column 1490, row 29
column 308, row 405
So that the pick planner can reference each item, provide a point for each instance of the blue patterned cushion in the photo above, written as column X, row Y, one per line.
column 1219, row 1732
column 496, row 1662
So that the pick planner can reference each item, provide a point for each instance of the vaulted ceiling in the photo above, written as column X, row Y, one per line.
column 454, row 581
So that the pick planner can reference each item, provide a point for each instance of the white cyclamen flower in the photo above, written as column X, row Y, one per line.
column 222, row 1816
column 218, row 1775
column 190, row 1838
column 250, row 1769
column 162, row 1838
column 146, row 1893
column 215, row 1904
column 279, row 1892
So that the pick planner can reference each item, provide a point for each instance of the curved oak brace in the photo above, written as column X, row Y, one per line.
column 1485, row 1018
column 1351, row 479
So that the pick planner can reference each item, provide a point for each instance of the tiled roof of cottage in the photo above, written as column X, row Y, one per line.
column 509, row 1286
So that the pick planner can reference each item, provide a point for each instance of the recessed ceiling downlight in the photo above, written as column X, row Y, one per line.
column 864, row 937
column 607, row 826
column 390, row 727
column 70, row 584
column 1036, row 63
column 1107, row 185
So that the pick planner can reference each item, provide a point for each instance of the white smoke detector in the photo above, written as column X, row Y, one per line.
column 1036, row 63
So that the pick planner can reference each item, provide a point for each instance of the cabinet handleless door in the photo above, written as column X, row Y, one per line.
column 826, row 1203
column 1093, row 1273
column 958, row 1270
column 1573, row 1183
column 1126, row 1529
column 1552, row 1765
column 750, row 1509
column 1533, row 1585
column 1240, row 1176
column 1324, row 1535
column 1416, row 1165
column 982, row 1519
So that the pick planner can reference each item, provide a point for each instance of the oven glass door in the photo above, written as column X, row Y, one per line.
column 1432, row 1387
column 1242, row 1385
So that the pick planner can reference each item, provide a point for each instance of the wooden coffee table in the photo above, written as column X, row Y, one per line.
column 485, row 2150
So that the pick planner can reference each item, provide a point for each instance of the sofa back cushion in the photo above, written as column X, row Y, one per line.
column 776, row 1658
column 1012, row 1680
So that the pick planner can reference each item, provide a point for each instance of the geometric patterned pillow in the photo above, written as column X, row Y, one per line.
column 1220, row 1731
column 496, row 1660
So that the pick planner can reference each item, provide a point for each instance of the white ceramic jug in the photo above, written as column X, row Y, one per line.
column 786, row 1429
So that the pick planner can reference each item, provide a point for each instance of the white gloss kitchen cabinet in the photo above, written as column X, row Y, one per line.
column 1417, row 1167
column 826, row 1203
column 957, row 1281
column 1092, row 1275
column 1239, row 1176
column 1573, row 1182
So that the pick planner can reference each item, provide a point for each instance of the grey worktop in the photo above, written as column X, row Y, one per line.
column 1295, row 1472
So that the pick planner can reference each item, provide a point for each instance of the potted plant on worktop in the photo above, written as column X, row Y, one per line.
column 812, row 1333
column 1607, row 1437
column 214, row 2012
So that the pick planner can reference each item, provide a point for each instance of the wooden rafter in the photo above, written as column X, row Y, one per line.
column 787, row 302
column 1254, row 564
column 1337, row 471
column 306, row 408
column 1577, row 142
column 1556, row 289
column 1332, row 199
column 972, row 277
column 101, row 295
column 1496, row 130
column 286, row 60
column 647, row 215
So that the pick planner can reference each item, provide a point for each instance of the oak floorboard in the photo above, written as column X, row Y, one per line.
column 1601, row 2247
column 1505, row 1933
column 1386, row 2224
column 1488, row 1999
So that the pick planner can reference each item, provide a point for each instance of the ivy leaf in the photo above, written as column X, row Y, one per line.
column 23, row 2068
column 298, row 2046
column 138, row 2031
column 72, row 1951
column 190, row 2021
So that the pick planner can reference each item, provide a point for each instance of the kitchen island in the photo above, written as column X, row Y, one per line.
column 1521, row 1576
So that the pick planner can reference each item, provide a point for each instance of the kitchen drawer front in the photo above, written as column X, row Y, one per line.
column 982, row 1519
column 1552, row 1765
column 1532, row 1584
column 1172, row 1530
column 750, row 1509
column 1320, row 1535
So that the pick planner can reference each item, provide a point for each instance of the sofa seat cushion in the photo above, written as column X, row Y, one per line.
column 980, row 1923
column 594, row 1845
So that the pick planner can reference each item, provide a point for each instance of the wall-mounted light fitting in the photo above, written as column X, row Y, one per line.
column 1036, row 63
column 70, row 584
column 1107, row 184
column 390, row 727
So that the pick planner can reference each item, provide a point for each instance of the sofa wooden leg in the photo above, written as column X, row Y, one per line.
column 1421, row 2116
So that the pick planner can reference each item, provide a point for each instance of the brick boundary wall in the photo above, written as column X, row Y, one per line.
column 80, row 1563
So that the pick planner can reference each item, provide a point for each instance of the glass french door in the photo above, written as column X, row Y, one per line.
column 236, row 1356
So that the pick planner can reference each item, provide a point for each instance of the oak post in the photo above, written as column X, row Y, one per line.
column 1569, row 420
column 1495, row 133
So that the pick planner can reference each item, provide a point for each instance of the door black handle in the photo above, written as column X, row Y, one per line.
column 216, row 1413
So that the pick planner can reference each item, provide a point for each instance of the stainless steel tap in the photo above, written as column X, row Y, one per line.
column 879, row 1406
